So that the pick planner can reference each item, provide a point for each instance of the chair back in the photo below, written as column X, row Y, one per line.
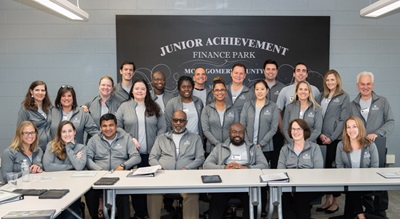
column 380, row 143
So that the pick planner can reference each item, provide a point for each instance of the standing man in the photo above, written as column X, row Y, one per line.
column 378, row 119
column 238, row 93
column 275, row 87
column 112, row 149
column 234, row 153
column 200, row 89
column 127, row 71
column 158, row 92
column 178, row 149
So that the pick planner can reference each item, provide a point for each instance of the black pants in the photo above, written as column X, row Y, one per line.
column 297, row 205
column 218, row 203
column 278, row 144
column 92, row 202
column 139, row 201
column 330, row 158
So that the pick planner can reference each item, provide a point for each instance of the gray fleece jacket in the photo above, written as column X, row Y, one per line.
column 11, row 160
column 191, row 152
column 103, row 156
column 337, row 112
column 309, row 158
column 267, row 123
column 94, row 106
column 218, row 157
column 52, row 163
column 246, row 95
column 82, row 121
column 380, row 116
column 128, row 120
column 369, row 157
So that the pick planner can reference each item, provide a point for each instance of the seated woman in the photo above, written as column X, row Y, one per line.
column 64, row 154
column 299, row 154
column 25, row 145
column 355, row 151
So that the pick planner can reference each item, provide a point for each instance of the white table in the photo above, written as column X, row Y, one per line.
column 332, row 180
column 50, row 180
column 187, row 181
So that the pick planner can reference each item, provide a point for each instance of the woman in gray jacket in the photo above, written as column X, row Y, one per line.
column 335, row 105
column 301, row 153
column 36, row 108
column 63, row 153
column 355, row 151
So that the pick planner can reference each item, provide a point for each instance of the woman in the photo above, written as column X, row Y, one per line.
column 24, row 146
column 36, row 108
column 304, row 107
column 63, row 153
column 355, row 151
column 142, row 118
column 217, row 117
column 261, row 119
column 300, row 153
column 335, row 110
column 106, row 102
column 66, row 109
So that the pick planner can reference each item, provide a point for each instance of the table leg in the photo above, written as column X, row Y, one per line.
column 254, row 200
column 272, row 200
column 109, row 199
column 279, row 193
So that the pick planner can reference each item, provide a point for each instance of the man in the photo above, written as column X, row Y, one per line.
column 127, row 71
column 287, row 94
column 190, row 104
column 270, row 73
column 238, row 93
column 234, row 153
column 158, row 92
column 377, row 115
column 112, row 149
column 200, row 89
column 275, row 87
column 178, row 149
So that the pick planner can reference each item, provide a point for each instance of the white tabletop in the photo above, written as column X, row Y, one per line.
column 50, row 180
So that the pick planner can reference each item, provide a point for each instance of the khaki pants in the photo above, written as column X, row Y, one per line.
column 190, row 205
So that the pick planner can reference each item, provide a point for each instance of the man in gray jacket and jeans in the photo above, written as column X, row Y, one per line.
column 112, row 149
column 177, row 150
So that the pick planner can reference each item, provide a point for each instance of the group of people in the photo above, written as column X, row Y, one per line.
column 227, row 126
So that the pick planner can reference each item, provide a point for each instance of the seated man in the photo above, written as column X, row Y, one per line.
column 177, row 150
column 234, row 153
column 112, row 149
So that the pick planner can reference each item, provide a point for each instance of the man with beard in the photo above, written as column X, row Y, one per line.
column 178, row 149
column 234, row 153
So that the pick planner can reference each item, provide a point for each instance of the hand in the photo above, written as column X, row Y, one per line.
column 35, row 169
column 231, row 165
column 79, row 154
column 184, row 168
column 119, row 168
column 85, row 108
column 372, row 136
column 135, row 141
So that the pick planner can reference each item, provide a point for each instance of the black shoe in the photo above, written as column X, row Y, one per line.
column 327, row 211
column 319, row 209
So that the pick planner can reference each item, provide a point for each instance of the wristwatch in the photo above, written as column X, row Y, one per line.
column 122, row 165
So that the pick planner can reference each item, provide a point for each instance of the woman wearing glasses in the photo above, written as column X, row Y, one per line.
column 304, row 107
column 24, row 146
column 218, row 116
column 36, row 108
column 142, row 118
column 66, row 109
column 300, row 153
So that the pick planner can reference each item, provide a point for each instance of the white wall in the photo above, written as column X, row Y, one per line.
column 38, row 44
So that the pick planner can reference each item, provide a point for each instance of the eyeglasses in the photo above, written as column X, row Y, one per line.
column 29, row 133
column 67, row 86
column 178, row 120
column 297, row 129
column 220, row 91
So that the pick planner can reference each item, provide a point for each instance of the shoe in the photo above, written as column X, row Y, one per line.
column 319, row 209
column 100, row 213
column 327, row 211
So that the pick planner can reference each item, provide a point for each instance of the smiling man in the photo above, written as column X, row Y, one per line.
column 127, row 71
column 158, row 92
column 200, row 89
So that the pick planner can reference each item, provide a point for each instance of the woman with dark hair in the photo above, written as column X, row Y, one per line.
column 66, row 109
column 190, row 104
column 304, row 107
column 142, row 118
column 217, row 117
column 23, row 147
column 355, row 151
column 36, row 108
column 300, row 153
column 63, row 153
column 335, row 105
